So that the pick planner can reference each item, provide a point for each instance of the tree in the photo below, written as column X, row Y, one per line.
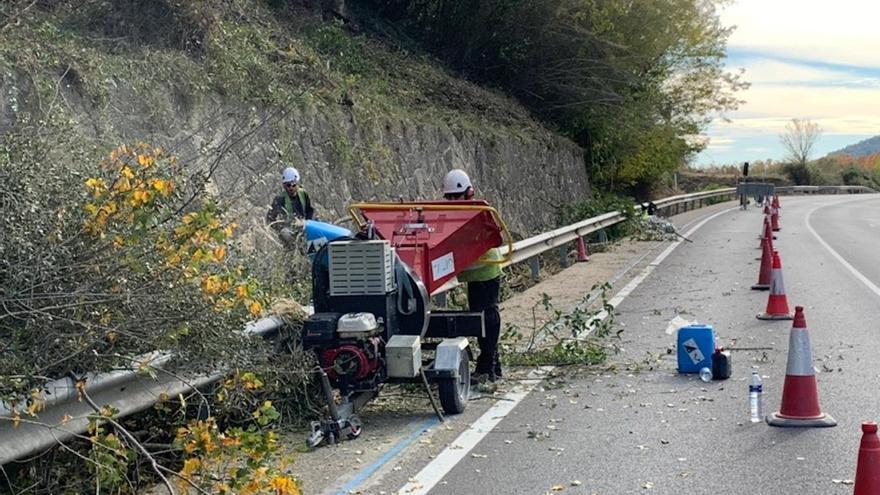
column 799, row 138
column 611, row 75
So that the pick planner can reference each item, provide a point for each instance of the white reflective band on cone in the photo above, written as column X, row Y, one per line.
column 777, row 286
column 800, row 360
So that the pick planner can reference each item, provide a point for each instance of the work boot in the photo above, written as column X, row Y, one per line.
column 481, row 378
column 496, row 366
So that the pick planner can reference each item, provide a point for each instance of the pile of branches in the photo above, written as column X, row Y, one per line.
column 105, row 260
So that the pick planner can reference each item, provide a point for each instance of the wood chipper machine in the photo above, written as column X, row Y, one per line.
column 371, row 292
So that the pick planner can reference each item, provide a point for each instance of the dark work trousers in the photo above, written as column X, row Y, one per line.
column 484, row 296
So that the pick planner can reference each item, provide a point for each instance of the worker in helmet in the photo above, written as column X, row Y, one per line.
column 483, row 287
column 290, row 206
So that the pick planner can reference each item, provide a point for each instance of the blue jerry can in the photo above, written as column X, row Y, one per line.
column 696, row 344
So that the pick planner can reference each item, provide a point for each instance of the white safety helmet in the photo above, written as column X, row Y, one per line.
column 456, row 181
column 290, row 174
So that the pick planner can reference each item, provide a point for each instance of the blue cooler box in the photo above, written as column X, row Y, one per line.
column 696, row 343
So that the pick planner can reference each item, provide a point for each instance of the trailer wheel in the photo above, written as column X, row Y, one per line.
column 454, row 391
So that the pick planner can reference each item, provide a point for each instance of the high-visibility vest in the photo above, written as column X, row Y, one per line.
column 481, row 272
column 288, row 203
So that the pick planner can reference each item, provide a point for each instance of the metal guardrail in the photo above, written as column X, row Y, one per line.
column 825, row 190
column 536, row 245
column 678, row 204
column 64, row 416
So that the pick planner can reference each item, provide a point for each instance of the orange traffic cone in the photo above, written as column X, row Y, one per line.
column 768, row 233
column 765, row 272
column 775, row 202
column 582, row 253
column 868, row 466
column 766, row 219
column 777, row 303
column 774, row 218
column 800, row 395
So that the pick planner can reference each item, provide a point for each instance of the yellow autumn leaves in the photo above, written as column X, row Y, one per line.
column 238, row 460
column 134, row 205
column 34, row 404
column 137, row 184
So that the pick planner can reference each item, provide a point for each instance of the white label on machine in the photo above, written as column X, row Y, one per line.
column 693, row 350
column 442, row 266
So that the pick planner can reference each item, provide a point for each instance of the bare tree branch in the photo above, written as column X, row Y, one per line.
column 121, row 429
column 799, row 138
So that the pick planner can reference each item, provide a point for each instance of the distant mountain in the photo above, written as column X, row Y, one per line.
column 862, row 148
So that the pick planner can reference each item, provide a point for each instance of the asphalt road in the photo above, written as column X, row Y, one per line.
column 640, row 427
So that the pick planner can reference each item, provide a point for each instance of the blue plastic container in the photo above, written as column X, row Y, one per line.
column 696, row 344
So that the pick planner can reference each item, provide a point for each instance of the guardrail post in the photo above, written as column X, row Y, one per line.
column 535, row 265
column 603, row 237
column 563, row 256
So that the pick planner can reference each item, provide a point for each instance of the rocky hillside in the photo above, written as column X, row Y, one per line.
column 240, row 89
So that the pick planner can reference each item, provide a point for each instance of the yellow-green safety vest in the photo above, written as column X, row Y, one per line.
column 481, row 272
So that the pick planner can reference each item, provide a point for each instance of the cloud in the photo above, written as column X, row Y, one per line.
column 843, row 33
column 720, row 143
column 765, row 70
column 837, row 110
column 807, row 60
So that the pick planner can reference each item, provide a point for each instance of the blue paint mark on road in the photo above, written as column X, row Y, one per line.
column 372, row 468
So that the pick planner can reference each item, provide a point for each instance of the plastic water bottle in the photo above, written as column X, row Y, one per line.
column 756, row 391
column 706, row 374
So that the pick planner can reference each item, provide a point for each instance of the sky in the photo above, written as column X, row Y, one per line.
column 806, row 59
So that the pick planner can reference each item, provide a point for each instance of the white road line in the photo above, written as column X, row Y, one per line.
column 856, row 273
column 430, row 475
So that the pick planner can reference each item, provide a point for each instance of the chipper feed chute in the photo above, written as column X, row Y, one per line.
column 436, row 239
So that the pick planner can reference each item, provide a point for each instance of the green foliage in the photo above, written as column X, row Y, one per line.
column 278, row 55
column 348, row 53
column 846, row 170
column 712, row 187
column 854, row 176
column 100, row 264
column 565, row 338
column 626, row 80
column 799, row 173
column 658, row 153
column 239, row 460
column 112, row 266
column 601, row 203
